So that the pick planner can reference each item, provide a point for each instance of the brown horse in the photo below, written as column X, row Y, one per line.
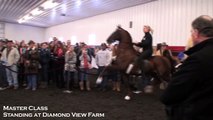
column 157, row 66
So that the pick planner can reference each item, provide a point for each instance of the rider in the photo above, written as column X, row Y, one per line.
column 146, row 44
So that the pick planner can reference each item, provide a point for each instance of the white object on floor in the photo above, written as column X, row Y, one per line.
column 99, row 80
column 67, row 91
column 127, row 97
column 2, row 88
column 137, row 92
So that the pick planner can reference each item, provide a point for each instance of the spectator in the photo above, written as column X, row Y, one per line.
column 3, row 76
column 44, row 61
column 31, row 65
column 68, row 44
column 22, row 50
column 161, row 47
column 69, row 69
column 11, row 56
column 114, row 75
column 189, row 94
column 84, row 67
column 58, row 65
column 77, row 50
column 103, row 59
column 51, row 72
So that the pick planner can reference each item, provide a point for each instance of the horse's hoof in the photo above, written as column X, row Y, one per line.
column 127, row 97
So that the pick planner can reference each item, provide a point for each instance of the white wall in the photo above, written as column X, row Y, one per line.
column 22, row 32
column 170, row 19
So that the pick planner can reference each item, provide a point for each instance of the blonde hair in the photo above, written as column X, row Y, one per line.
column 149, row 28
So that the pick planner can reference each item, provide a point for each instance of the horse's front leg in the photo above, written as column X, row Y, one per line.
column 128, row 86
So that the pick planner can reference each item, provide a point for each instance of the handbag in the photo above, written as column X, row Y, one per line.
column 99, row 80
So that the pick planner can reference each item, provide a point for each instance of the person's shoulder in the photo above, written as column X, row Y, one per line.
column 108, row 51
column 99, row 52
column 149, row 35
column 205, row 53
column 14, row 49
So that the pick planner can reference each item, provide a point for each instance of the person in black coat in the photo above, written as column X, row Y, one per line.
column 45, row 56
column 3, row 76
column 189, row 95
column 146, row 44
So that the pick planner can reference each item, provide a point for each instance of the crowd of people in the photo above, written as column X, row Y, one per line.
column 34, row 65
column 189, row 94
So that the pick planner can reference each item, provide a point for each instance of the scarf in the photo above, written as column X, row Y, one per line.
column 86, row 64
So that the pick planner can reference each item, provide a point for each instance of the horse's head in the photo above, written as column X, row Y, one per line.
column 115, row 36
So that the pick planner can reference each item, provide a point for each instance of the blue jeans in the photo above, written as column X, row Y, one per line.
column 12, row 76
column 32, row 81
column 69, row 79
column 83, row 74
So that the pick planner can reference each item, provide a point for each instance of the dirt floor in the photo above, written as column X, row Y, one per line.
column 109, row 104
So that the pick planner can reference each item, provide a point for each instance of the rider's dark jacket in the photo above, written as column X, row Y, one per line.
column 146, row 44
column 189, row 95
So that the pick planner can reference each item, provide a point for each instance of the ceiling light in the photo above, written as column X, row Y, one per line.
column 64, row 8
column 21, row 20
column 46, row 5
column 78, row 3
column 27, row 17
column 49, row 4
column 36, row 11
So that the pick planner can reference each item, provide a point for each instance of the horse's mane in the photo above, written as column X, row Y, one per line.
column 126, row 40
column 126, row 34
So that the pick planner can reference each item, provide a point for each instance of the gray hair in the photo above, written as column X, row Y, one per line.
column 204, row 25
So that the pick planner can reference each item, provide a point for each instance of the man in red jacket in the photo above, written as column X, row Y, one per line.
column 189, row 95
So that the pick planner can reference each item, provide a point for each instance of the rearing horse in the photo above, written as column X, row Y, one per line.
column 158, row 67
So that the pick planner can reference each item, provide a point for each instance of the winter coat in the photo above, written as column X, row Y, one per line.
column 70, row 61
column 12, row 58
column 32, row 56
column 189, row 95
column 82, row 60
column 44, row 56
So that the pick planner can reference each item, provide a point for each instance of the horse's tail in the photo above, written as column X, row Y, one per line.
column 169, row 56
